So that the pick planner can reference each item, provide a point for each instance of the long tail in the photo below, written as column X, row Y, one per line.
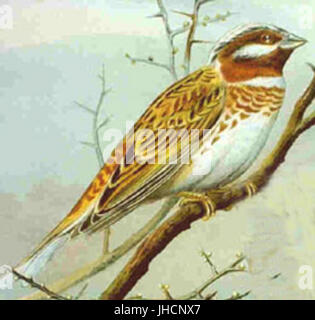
column 34, row 263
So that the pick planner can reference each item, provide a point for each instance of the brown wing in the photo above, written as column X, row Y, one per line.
column 195, row 102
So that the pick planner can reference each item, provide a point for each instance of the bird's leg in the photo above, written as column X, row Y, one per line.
column 251, row 189
column 193, row 197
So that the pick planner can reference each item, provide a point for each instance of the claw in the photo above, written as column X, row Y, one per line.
column 207, row 203
column 251, row 189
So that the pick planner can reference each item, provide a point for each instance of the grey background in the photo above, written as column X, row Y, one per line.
column 52, row 57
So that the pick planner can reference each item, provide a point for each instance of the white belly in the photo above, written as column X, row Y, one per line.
column 231, row 155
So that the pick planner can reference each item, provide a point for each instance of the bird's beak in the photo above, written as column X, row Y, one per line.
column 292, row 41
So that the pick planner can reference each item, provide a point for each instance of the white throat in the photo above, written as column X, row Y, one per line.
column 267, row 82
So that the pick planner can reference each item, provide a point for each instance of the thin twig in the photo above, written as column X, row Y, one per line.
column 97, row 143
column 198, row 292
column 180, row 30
column 191, row 33
column 170, row 38
column 38, row 286
column 238, row 296
column 207, row 257
column 230, row 269
column 172, row 33
column 82, row 106
column 149, row 61
column 166, row 292
column 211, row 295
column 81, row 292
column 88, row 144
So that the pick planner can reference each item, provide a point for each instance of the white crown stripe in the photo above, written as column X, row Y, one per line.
column 238, row 32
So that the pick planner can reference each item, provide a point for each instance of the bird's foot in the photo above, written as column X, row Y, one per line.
column 251, row 189
column 194, row 197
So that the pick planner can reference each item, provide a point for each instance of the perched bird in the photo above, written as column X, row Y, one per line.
column 230, row 104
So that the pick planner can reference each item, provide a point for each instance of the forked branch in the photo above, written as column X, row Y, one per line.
column 170, row 33
column 224, row 198
column 199, row 292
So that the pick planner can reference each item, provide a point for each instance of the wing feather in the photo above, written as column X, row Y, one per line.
column 195, row 102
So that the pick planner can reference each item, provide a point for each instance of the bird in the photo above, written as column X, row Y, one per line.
column 229, row 106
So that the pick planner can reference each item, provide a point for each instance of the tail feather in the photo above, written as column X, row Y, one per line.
column 33, row 264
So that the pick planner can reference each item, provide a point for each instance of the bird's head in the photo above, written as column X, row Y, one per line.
column 255, row 50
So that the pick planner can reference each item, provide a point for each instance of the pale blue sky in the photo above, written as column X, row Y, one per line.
column 52, row 56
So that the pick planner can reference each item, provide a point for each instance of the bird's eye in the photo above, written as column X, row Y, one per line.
column 266, row 38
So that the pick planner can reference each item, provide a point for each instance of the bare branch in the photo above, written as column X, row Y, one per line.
column 223, row 198
column 82, row 106
column 189, row 15
column 100, row 102
column 157, row 15
column 171, row 46
column 81, row 292
column 165, row 289
column 180, row 30
column 171, row 34
column 239, row 296
column 202, row 41
column 307, row 122
column 38, row 286
column 88, row 144
column 233, row 268
column 211, row 296
column 207, row 257
column 102, row 124
column 191, row 33
column 149, row 61
column 199, row 291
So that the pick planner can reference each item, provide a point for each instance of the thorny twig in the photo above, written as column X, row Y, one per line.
column 172, row 33
column 191, row 34
column 207, row 257
column 150, row 61
column 39, row 286
column 233, row 268
column 198, row 293
column 194, row 17
column 163, row 14
column 96, row 127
